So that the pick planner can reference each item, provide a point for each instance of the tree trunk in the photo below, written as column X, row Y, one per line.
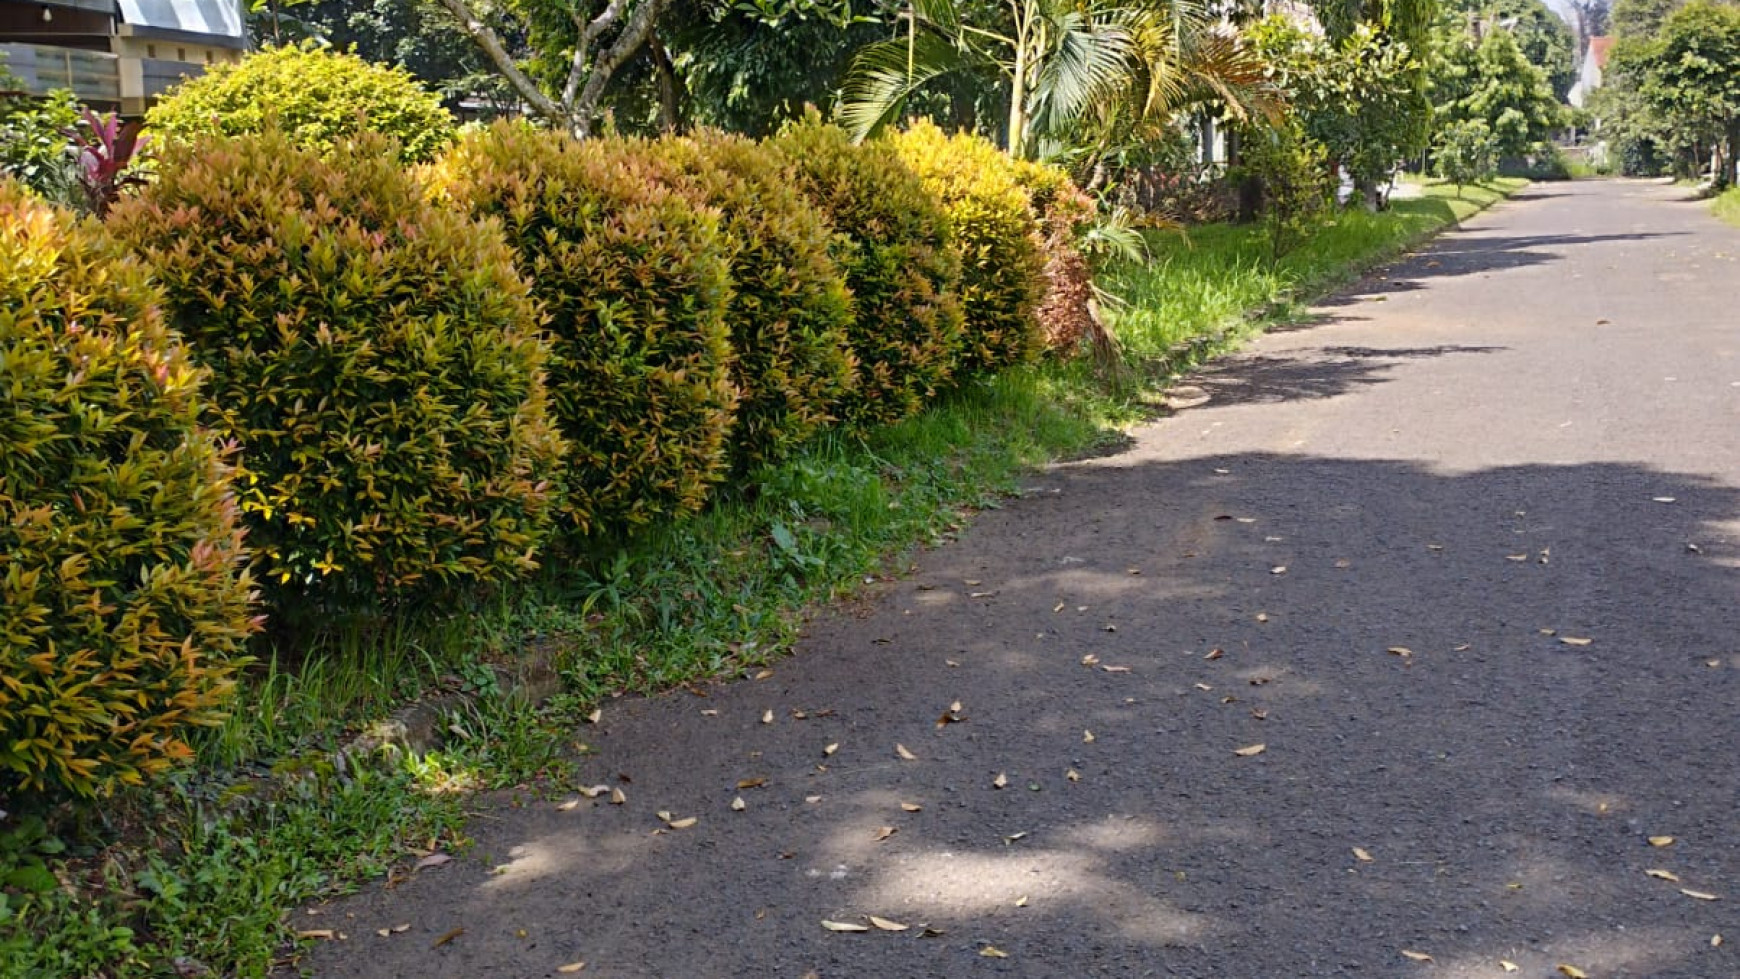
column 1730, row 175
column 670, row 86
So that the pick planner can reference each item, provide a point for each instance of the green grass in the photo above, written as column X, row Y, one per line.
column 212, row 861
column 1208, row 280
column 1727, row 206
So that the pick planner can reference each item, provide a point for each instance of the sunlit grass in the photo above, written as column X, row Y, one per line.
column 1727, row 206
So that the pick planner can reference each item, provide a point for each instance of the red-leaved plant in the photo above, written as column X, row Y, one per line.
column 110, row 151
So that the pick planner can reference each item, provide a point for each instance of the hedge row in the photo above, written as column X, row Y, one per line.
column 429, row 375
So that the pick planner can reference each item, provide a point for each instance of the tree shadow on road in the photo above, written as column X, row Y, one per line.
column 1395, row 635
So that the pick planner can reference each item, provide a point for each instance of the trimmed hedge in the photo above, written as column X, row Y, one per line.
column 376, row 357
column 894, row 247
column 635, row 281
column 790, row 312
column 992, row 224
column 317, row 96
column 124, row 599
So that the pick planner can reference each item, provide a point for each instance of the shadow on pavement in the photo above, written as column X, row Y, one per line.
column 1398, row 638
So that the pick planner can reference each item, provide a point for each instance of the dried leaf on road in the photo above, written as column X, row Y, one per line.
column 911, row 806
column 751, row 783
column 1362, row 856
column 828, row 752
column 1661, row 841
column 448, row 936
column 570, row 968
column 1021, row 901
column 1278, row 569
column 595, row 716
column 1401, row 651
column 321, row 933
column 1087, row 737
column 1249, row 750
column 885, row 832
column 1700, row 895
column 618, row 797
column 843, row 926
column 567, row 806
column 593, row 791
column 1116, row 669
column 1072, row 775
column 433, row 860
column 993, row 952
column 767, row 717
column 1000, row 781
column 1416, row 956
column 1575, row 640
column 1507, row 965
column 738, row 805
column 1572, row 972
column 1215, row 653
column 883, row 924
column 764, row 674
column 1663, row 875
column 905, row 755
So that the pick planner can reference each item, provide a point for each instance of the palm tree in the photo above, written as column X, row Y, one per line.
column 1056, row 57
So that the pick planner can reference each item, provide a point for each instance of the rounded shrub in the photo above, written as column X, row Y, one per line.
column 992, row 224
column 894, row 248
column 376, row 357
column 124, row 597
column 790, row 312
column 1067, row 311
column 635, row 282
column 317, row 96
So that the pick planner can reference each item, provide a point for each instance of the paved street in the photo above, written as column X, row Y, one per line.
column 1462, row 555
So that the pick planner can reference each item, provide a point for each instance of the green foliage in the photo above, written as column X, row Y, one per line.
column 1294, row 174
column 635, row 281
column 35, row 149
column 993, row 225
column 1641, row 19
column 1363, row 97
column 123, row 601
column 318, row 97
column 790, row 312
column 1727, row 206
column 375, row 356
column 1694, row 77
column 903, row 275
column 1494, row 83
column 1466, row 153
column 1544, row 37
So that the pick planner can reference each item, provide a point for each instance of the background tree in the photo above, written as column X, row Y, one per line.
column 1494, row 83
column 1546, row 40
column 1641, row 18
column 1694, row 77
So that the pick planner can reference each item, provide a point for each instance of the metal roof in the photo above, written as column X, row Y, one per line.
column 219, row 17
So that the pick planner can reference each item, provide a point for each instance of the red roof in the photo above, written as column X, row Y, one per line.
column 1598, row 48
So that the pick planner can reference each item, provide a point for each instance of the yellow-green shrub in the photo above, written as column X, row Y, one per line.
column 992, row 224
column 790, row 311
column 635, row 283
column 376, row 357
column 317, row 96
column 123, row 592
column 898, row 261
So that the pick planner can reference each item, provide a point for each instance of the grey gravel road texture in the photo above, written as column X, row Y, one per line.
column 1460, row 555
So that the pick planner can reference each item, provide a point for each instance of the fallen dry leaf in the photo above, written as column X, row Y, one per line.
column 1278, row 569
column 1215, row 653
column 1507, row 965
column 1516, row 557
column 595, row 716
column 1416, row 956
column 433, row 860
column 764, row 674
column 1072, row 775
column 1262, row 616
column 1013, row 838
column 1204, row 687
column 812, row 798
column 751, row 783
column 828, row 752
column 883, row 924
column 1021, row 901
column 905, row 755
column 843, row 926
column 1575, row 640
column 571, row 968
column 323, row 933
column 1700, row 895
column 1360, row 855
column 1662, row 499
column 618, row 797
column 767, row 717
column 1401, row 651
column 1087, row 737
column 1572, row 972
column 1000, row 781
column 1715, row 941
column 885, row 832
column 993, row 952
column 593, row 791
column 566, row 806
column 1663, row 875
column 684, row 823
column 1661, row 841
column 1090, row 660
column 911, row 806
column 1116, row 669
column 1249, row 750
column 448, row 936
column 738, row 805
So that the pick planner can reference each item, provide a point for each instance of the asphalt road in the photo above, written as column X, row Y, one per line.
column 1461, row 555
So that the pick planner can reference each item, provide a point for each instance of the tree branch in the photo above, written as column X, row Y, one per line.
column 488, row 40
column 633, row 35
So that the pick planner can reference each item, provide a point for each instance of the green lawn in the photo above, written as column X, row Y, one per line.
column 1728, row 206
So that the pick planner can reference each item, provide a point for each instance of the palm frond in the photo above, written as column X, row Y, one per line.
column 885, row 74
column 1090, row 57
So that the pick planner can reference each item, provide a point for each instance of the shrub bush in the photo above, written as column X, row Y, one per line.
column 1293, row 172
column 1067, row 312
column 317, row 96
column 790, row 312
column 376, row 357
column 636, row 285
column 992, row 224
column 1466, row 153
column 124, row 598
column 895, row 251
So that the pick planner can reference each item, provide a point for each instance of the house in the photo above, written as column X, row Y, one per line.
column 1589, row 79
column 116, row 54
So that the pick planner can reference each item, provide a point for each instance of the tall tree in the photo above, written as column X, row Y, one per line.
column 1694, row 77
